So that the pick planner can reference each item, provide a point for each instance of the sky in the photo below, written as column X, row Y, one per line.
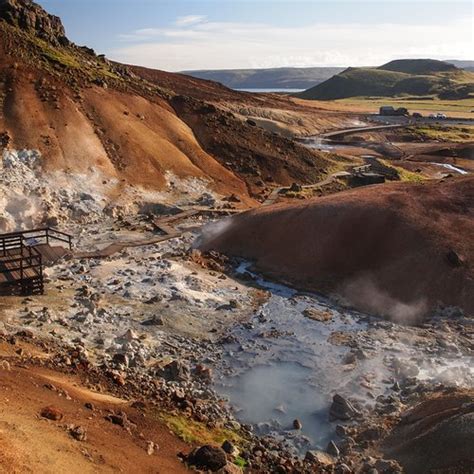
column 177, row 35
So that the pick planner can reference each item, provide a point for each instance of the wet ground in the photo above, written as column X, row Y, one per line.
column 276, row 354
column 298, row 350
column 360, row 149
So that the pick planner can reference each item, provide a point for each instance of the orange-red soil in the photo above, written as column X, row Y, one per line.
column 377, row 246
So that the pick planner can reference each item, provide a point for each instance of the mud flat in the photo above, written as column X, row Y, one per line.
column 298, row 351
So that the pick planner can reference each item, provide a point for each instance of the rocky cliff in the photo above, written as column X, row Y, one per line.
column 31, row 17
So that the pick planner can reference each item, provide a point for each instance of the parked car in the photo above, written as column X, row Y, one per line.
column 417, row 115
column 441, row 116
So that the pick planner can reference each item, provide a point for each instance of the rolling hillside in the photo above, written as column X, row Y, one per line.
column 414, row 77
column 466, row 65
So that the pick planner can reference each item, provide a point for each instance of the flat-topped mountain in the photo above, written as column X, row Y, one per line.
column 418, row 66
column 413, row 77
column 274, row 78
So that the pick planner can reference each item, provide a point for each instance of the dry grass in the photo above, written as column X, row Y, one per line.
column 458, row 134
column 455, row 108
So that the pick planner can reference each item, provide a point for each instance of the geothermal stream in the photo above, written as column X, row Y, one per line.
column 282, row 365
column 327, row 146
column 324, row 145
column 451, row 168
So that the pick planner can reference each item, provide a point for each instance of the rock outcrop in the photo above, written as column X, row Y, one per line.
column 29, row 16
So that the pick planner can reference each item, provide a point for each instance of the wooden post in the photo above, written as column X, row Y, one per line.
column 41, row 274
column 21, row 267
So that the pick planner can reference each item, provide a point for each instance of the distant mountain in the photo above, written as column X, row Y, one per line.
column 466, row 65
column 413, row 77
column 278, row 78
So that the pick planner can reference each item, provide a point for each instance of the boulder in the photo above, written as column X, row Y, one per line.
column 319, row 457
column 51, row 413
column 332, row 449
column 175, row 371
column 318, row 315
column 230, row 468
column 297, row 425
column 296, row 188
column 78, row 433
column 229, row 448
column 342, row 409
column 208, row 458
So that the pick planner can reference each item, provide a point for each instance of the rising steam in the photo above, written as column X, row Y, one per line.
column 364, row 294
column 210, row 232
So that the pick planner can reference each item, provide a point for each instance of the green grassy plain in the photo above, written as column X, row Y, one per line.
column 460, row 108
column 413, row 104
column 459, row 133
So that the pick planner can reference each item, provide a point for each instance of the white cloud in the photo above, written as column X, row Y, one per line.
column 189, row 20
column 201, row 44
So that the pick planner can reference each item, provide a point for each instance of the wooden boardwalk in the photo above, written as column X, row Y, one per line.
column 115, row 247
column 162, row 224
column 51, row 254
column 23, row 254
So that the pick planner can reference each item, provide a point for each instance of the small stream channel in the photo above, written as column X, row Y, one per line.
column 324, row 145
column 329, row 146
column 280, row 367
column 451, row 168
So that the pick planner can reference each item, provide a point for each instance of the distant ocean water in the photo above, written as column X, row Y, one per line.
column 281, row 90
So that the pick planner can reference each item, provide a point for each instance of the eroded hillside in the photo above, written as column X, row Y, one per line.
column 87, row 115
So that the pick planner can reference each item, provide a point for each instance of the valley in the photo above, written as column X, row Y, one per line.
column 230, row 282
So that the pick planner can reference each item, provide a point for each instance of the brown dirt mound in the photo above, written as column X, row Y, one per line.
column 436, row 436
column 396, row 249
column 252, row 153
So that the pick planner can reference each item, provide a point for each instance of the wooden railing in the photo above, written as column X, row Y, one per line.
column 21, row 267
column 10, row 242
column 21, row 264
column 36, row 236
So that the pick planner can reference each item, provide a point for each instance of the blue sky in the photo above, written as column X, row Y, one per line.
column 183, row 34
